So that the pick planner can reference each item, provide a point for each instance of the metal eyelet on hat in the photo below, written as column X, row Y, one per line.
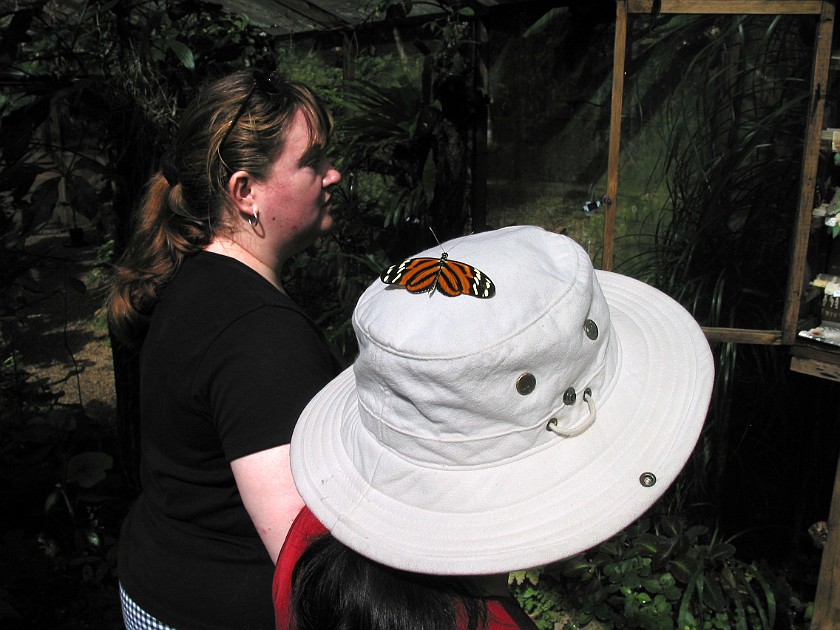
column 526, row 383
column 591, row 329
column 647, row 479
column 569, row 396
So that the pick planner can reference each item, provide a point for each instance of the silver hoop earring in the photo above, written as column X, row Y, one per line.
column 254, row 219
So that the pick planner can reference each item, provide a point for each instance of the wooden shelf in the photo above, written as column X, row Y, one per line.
column 816, row 359
column 802, row 7
column 830, row 140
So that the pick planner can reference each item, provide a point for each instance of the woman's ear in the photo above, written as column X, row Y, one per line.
column 239, row 189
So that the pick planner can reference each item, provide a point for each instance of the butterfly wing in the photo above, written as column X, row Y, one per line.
column 417, row 275
column 458, row 278
column 450, row 277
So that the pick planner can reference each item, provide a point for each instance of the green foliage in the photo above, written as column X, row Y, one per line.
column 404, row 133
column 89, row 98
column 62, row 495
column 385, row 147
column 655, row 575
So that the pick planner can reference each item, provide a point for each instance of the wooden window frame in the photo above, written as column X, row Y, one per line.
column 813, row 132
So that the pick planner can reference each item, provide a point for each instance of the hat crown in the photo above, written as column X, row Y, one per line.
column 464, row 382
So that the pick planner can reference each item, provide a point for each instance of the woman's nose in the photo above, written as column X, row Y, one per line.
column 333, row 176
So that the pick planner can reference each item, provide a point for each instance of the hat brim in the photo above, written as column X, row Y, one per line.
column 549, row 505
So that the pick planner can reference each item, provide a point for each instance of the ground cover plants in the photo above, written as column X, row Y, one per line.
column 660, row 573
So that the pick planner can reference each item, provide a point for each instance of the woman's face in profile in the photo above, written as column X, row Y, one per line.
column 294, row 199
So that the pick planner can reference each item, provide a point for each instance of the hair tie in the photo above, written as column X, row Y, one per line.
column 169, row 169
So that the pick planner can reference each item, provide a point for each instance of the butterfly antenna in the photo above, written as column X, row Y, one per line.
column 453, row 247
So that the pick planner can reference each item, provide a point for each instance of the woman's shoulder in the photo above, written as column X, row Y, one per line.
column 223, row 268
column 206, row 277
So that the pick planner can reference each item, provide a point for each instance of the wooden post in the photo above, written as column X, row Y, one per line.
column 349, row 49
column 827, row 601
column 619, row 54
column 808, row 176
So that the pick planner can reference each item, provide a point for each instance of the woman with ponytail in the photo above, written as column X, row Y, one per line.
column 227, row 359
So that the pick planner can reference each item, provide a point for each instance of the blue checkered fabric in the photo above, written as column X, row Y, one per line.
column 135, row 618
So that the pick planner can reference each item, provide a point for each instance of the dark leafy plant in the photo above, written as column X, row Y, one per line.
column 659, row 574
column 62, row 505
column 409, row 138
column 76, row 132
column 378, row 133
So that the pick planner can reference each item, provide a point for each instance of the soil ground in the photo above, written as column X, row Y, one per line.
column 63, row 338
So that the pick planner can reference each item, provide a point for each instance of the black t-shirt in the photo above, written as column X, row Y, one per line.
column 228, row 364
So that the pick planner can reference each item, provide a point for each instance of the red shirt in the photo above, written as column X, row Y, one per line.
column 500, row 615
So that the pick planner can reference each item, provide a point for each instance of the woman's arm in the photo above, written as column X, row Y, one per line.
column 265, row 483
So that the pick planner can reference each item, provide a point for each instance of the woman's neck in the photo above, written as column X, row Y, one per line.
column 267, row 269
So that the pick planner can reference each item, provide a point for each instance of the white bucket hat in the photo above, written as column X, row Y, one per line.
column 477, row 436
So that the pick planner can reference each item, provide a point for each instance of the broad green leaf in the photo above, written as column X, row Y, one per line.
column 696, row 531
column 721, row 551
column 713, row 596
column 649, row 544
column 88, row 469
column 652, row 585
column 44, row 198
column 683, row 569
column 183, row 52
column 52, row 499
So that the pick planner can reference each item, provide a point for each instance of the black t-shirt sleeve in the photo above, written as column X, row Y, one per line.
column 263, row 370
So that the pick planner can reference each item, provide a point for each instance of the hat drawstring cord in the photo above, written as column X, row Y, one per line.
column 552, row 424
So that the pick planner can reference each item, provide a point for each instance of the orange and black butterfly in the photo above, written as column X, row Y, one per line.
column 450, row 277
